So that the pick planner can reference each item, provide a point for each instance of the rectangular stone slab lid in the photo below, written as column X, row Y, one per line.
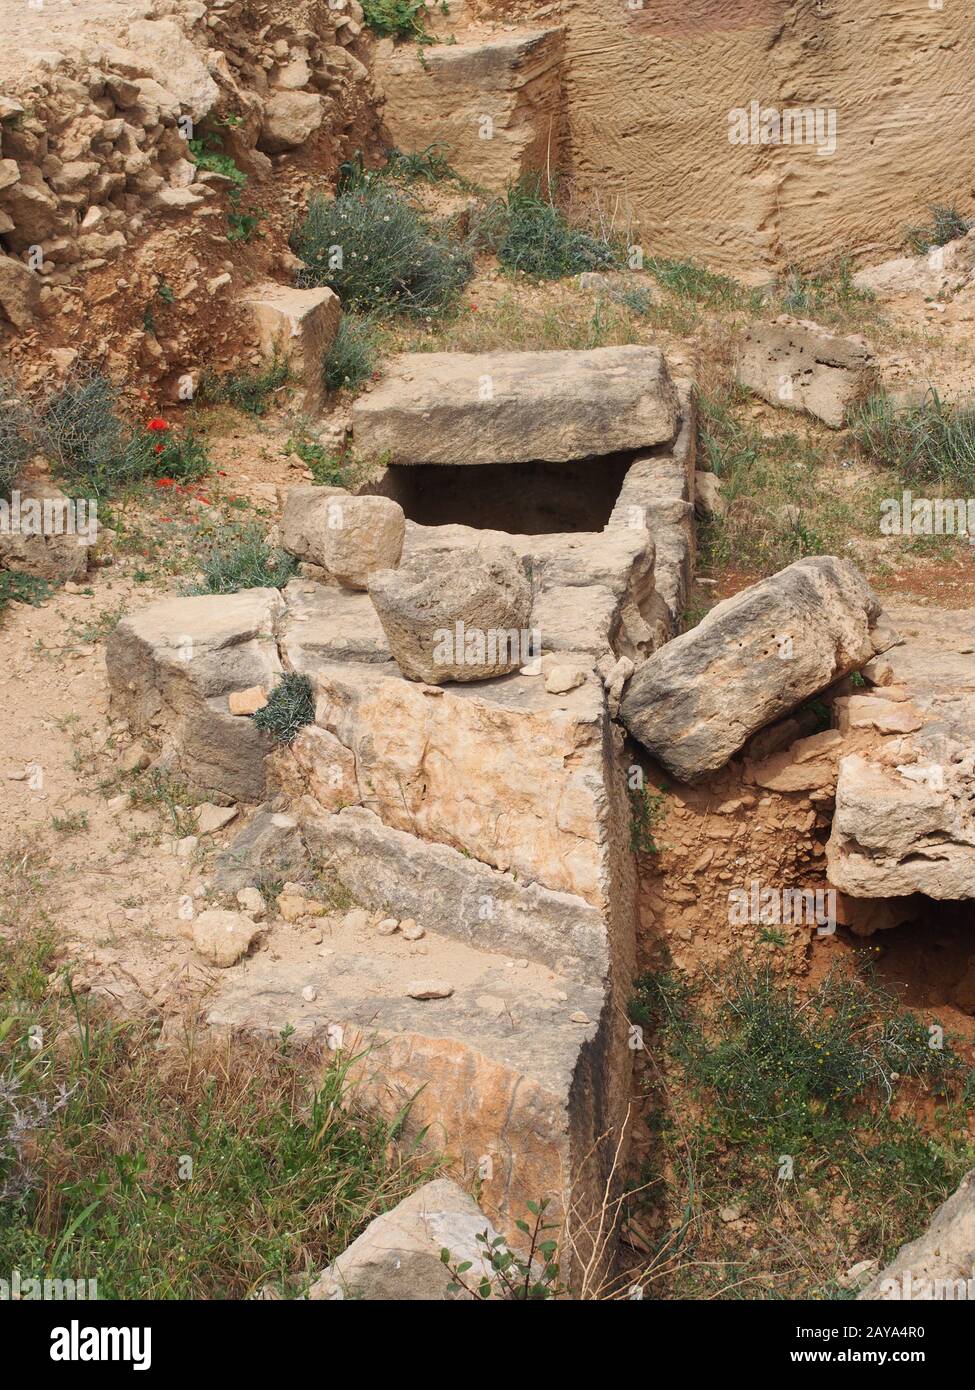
column 515, row 407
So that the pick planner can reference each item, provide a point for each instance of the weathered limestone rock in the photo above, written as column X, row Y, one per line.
column 330, row 767
column 494, row 102
column 904, row 829
column 504, row 773
column 696, row 701
column 903, row 821
column 397, row 1257
column 447, row 889
column 171, row 668
column 351, row 537
column 798, row 365
column 290, row 119
column 223, row 938
column 453, row 616
column 59, row 556
column 20, row 290
column 270, row 846
column 325, row 623
column 299, row 325
column 513, row 407
column 940, row 1264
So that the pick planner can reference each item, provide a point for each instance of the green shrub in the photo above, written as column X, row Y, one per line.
column 242, row 559
column 398, row 19
column 379, row 253
column 96, row 451
column 531, row 236
column 946, row 225
column 290, row 706
column 932, row 442
column 17, row 431
column 250, row 391
column 351, row 360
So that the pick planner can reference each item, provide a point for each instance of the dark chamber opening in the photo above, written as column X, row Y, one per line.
column 520, row 498
column 930, row 961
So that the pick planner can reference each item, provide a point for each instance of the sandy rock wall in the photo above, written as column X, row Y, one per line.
column 649, row 86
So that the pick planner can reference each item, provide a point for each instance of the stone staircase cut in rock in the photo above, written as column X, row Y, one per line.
column 492, row 813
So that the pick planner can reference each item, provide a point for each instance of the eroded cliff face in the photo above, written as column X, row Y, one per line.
column 649, row 86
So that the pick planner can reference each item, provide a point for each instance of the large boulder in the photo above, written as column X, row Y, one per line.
column 514, row 407
column 940, row 1264
column 798, row 365
column 351, row 537
column 696, row 701
column 398, row 1256
column 453, row 615
column 290, row 118
column 171, row 668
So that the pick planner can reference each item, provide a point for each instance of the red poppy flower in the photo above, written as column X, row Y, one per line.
column 155, row 424
column 164, row 482
column 158, row 449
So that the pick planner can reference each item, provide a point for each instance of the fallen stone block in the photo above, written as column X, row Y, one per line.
column 456, row 616
column 697, row 700
column 171, row 668
column 512, row 81
column 397, row 1257
column 515, row 407
column 299, row 326
column 798, row 365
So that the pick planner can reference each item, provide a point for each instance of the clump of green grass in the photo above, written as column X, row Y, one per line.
column 932, row 442
column 17, row 431
column 380, row 254
column 531, row 236
column 351, row 359
column 778, row 1105
column 830, row 296
column 290, row 706
column 693, row 282
column 16, row 587
column 778, row 509
column 251, row 391
column 239, row 557
column 209, row 1178
column 947, row 224
column 647, row 811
